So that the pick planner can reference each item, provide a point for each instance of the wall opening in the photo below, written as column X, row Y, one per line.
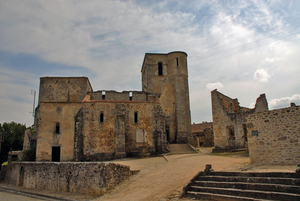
column 160, row 68
column 135, row 117
column 130, row 96
column 230, row 136
column 230, row 132
column 177, row 62
column 103, row 95
column 245, row 132
column 21, row 176
column 101, row 118
column 57, row 128
column 55, row 154
column 168, row 133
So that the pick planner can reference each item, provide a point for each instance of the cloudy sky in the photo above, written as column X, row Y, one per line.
column 242, row 48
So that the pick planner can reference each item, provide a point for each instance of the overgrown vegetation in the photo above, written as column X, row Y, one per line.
column 29, row 155
column 12, row 135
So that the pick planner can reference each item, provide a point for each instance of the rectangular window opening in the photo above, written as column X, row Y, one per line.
column 135, row 117
column 101, row 117
column 160, row 69
column 57, row 128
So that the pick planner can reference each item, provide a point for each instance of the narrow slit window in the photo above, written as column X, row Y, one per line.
column 135, row 117
column 177, row 61
column 101, row 118
column 57, row 128
column 160, row 68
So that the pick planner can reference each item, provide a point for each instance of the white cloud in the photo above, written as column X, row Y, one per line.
column 284, row 102
column 261, row 75
column 270, row 60
column 212, row 86
column 110, row 38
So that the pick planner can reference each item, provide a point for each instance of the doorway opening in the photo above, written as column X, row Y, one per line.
column 55, row 154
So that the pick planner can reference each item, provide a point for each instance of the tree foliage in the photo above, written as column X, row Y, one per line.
column 12, row 138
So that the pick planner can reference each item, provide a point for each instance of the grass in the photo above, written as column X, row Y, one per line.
column 5, row 163
column 230, row 154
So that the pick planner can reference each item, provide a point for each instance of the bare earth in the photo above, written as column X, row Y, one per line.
column 163, row 178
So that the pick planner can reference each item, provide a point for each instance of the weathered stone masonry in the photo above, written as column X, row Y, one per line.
column 75, row 123
column 87, row 178
column 229, row 120
column 274, row 136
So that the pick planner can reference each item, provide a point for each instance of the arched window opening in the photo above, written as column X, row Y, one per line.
column 160, row 68
column 57, row 128
column 101, row 117
column 135, row 117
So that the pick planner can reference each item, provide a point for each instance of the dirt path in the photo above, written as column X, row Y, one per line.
column 159, row 178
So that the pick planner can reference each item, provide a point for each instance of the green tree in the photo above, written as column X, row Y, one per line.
column 12, row 138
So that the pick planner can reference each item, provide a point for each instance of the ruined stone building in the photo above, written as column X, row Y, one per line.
column 272, row 136
column 203, row 135
column 229, row 120
column 75, row 123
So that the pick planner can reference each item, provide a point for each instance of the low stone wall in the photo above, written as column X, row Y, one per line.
column 274, row 136
column 77, row 177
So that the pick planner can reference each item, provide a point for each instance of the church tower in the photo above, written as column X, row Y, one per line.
column 166, row 76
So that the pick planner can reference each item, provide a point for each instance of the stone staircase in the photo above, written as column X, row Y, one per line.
column 181, row 149
column 246, row 186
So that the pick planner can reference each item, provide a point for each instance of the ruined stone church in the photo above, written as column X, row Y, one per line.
column 75, row 123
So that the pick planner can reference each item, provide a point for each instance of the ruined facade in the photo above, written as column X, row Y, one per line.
column 203, row 134
column 229, row 120
column 75, row 123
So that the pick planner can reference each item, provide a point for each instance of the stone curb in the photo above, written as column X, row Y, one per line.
column 30, row 194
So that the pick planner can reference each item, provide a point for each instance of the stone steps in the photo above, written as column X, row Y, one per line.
column 244, row 186
column 269, row 180
column 180, row 149
column 251, row 186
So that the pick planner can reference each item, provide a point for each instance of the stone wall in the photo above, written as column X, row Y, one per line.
column 274, row 136
column 119, row 134
column 83, row 137
column 51, row 114
column 87, row 178
column 63, row 89
column 172, row 89
column 229, row 120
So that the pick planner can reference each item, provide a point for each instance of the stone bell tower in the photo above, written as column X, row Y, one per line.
column 166, row 76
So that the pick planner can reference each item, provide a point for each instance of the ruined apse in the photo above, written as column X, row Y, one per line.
column 75, row 123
